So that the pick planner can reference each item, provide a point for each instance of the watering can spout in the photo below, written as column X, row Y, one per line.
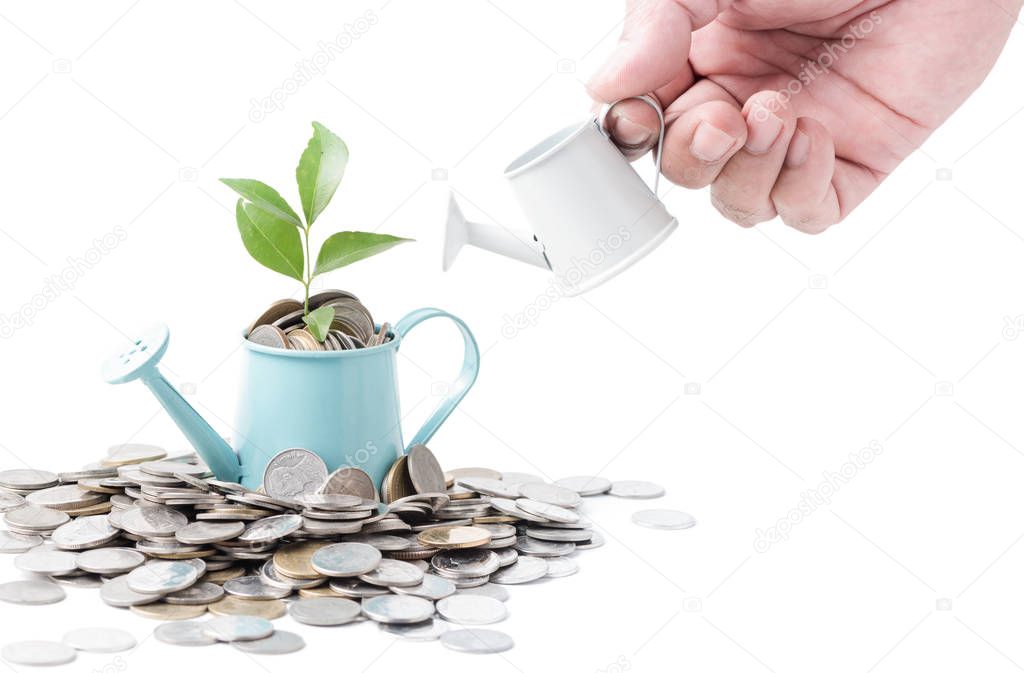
column 140, row 362
column 517, row 245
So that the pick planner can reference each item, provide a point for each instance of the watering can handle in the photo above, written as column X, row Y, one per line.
column 653, row 102
column 460, row 386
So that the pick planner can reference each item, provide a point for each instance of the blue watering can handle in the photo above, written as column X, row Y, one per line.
column 461, row 385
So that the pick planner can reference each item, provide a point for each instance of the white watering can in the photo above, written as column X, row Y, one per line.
column 592, row 215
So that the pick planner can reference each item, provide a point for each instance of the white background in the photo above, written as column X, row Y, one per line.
column 736, row 367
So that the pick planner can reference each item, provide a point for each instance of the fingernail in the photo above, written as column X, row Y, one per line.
column 628, row 132
column 799, row 150
column 763, row 129
column 710, row 143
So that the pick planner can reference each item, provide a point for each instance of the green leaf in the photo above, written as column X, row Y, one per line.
column 264, row 197
column 345, row 247
column 319, row 172
column 319, row 322
column 272, row 242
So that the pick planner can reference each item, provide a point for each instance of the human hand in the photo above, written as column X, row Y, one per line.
column 800, row 108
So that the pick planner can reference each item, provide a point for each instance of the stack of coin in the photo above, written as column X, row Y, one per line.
column 282, row 326
column 163, row 538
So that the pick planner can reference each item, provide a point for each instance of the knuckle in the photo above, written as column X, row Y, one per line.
column 687, row 174
column 807, row 222
column 741, row 215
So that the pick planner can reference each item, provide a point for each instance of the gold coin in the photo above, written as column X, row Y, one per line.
column 222, row 576
column 169, row 612
column 454, row 537
column 499, row 518
column 397, row 484
column 292, row 560
column 231, row 605
column 101, row 508
column 95, row 486
column 317, row 592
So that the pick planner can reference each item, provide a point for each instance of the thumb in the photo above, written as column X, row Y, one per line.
column 654, row 47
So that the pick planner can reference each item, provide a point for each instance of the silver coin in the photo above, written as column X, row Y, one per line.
column 424, row 470
column 559, row 534
column 492, row 487
column 382, row 542
column 393, row 573
column 641, row 490
column 294, row 472
column 551, row 494
column 428, row 629
column 472, row 610
column 349, row 481
column 35, row 518
column 27, row 479
column 353, row 587
column 173, row 468
column 67, row 496
column 543, row 548
column 208, row 532
column 15, row 543
column 38, row 653
column 231, row 628
column 150, row 521
column 47, row 562
column 123, row 454
column 597, row 540
column 460, row 472
column 117, row 593
column 468, row 582
column 562, row 567
column 332, row 501
column 346, row 559
column 526, row 569
column 98, row 639
column 84, row 532
column 509, row 507
column 324, row 611
column 548, row 511
column 31, row 592
column 462, row 563
column 162, row 577
column 253, row 587
column 200, row 593
column 668, row 519
column 84, row 580
column 498, row 530
column 507, row 557
column 520, row 478
column 393, row 609
column 279, row 642
column 187, row 632
column 586, row 485
column 495, row 591
column 477, row 641
column 270, row 529
column 433, row 588
column 10, row 500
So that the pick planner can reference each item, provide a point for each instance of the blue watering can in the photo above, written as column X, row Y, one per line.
column 341, row 405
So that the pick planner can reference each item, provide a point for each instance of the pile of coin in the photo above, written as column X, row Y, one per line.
column 281, row 325
column 163, row 538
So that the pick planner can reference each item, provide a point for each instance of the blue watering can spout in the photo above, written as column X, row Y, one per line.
column 140, row 362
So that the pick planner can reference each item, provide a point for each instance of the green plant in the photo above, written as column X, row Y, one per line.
column 278, row 238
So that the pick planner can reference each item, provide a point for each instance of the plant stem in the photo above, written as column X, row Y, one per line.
column 309, row 272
